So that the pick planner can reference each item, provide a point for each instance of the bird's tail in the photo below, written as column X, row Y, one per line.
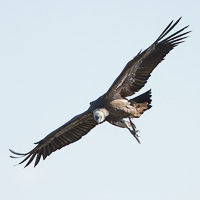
column 143, row 98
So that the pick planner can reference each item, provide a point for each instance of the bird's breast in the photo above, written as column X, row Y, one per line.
column 119, row 109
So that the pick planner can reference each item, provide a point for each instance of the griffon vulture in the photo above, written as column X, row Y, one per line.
column 113, row 106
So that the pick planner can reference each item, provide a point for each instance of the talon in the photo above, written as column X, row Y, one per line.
column 134, row 131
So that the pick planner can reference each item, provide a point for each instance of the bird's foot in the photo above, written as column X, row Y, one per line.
column 134, row 131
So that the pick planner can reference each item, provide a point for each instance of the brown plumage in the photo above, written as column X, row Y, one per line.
column 113, row 106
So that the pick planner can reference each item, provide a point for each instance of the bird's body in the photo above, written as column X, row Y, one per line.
column 118, row 109
column 113, row 106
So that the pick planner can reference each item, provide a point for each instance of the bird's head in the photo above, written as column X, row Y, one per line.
column 100, row 115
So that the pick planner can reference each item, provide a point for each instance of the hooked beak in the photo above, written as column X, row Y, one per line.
column 98, row 119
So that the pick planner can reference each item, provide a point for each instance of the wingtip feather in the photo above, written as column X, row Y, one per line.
column 19, row 154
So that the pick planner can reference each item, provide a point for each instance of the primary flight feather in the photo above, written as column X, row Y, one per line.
column 113, row 106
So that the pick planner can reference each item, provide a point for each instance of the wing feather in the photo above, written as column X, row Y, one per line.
column 66, row 134
column 137, row 71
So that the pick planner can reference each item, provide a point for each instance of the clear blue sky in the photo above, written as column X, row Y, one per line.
column 56, row 57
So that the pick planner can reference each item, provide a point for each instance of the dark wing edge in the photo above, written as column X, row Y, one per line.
column 68, row 133
column 137, row 71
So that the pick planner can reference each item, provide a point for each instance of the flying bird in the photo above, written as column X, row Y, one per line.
column 113, row 106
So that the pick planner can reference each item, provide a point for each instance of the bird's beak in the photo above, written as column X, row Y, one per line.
column 97, row 119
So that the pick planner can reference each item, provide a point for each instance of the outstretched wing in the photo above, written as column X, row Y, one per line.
column 66, row 134
column 138, row 70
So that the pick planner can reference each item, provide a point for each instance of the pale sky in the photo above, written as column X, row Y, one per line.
column 56, row 57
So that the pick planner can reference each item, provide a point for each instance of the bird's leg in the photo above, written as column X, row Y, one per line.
column 129, row 125
column 134, row 131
